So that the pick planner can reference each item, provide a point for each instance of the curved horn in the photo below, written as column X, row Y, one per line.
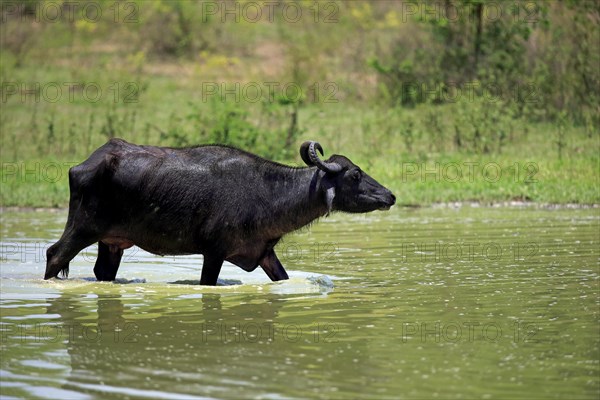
column 304, row 153
column 308, row 152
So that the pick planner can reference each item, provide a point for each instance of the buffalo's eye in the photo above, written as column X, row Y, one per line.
column 356, row 175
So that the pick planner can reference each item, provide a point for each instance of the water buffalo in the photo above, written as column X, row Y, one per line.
column 218, row 201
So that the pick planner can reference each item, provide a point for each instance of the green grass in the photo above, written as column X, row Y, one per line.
column 35, row 167
column 40, row 140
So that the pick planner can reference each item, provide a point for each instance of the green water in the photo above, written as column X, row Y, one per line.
column 426, row 303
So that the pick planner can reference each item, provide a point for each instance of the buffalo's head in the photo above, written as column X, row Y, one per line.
column 347, row 187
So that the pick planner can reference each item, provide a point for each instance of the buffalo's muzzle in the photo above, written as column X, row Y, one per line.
column 388, row 201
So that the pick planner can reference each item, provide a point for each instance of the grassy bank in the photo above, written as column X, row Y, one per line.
column 357, row 86
column 426, row 154
column 421, row 170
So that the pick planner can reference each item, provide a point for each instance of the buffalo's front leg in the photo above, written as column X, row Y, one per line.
column 107, row 263
column 272, row 266
column 210, row 270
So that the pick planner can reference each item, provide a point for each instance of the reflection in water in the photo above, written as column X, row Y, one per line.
column 142, row 348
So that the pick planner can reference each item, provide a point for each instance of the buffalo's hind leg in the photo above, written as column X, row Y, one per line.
column 60, row 254
column 272, row 266
column 107, row 263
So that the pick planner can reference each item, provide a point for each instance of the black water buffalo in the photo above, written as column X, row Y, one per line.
column 214, row 200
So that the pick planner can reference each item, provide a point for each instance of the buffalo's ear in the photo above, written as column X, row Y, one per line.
column 329, row 196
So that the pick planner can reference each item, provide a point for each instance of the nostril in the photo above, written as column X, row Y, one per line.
column 393, row 198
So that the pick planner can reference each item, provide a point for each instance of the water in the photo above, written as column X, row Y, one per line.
column 412, row 303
